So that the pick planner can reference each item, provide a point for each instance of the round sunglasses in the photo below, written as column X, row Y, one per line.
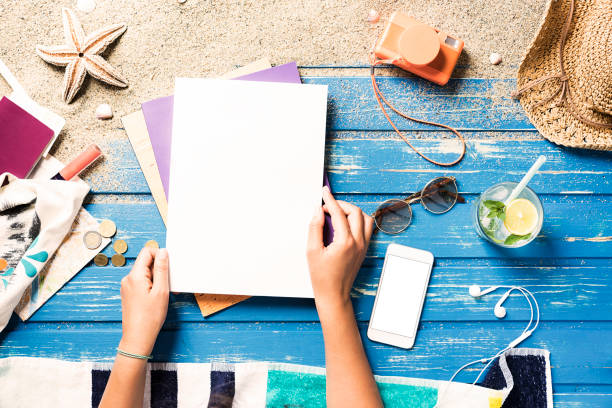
column 439, row 195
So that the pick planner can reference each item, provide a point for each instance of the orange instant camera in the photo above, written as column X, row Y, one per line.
column 419, row 48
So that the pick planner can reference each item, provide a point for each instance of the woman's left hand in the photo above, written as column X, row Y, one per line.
column 144, row 301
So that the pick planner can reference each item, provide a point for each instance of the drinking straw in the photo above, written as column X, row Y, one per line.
column 526, row 178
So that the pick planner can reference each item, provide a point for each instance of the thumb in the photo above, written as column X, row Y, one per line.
column 160, row 271
column 315, row 230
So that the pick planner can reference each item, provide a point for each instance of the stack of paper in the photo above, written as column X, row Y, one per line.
column 151, row 133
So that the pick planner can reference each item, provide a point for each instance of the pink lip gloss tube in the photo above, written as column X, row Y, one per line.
column 80, row 163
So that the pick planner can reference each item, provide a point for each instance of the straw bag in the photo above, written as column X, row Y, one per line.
column 35, row 216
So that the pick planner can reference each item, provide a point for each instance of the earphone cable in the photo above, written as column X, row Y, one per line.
column 529, row 296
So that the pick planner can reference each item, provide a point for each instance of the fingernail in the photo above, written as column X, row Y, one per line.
column 163, row 253
column 325, row 189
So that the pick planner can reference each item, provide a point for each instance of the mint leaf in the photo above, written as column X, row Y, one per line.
column 494, row 205
column 491, row 235
column 513, row 239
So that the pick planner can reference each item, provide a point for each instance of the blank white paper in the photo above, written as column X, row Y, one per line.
column 245, row 177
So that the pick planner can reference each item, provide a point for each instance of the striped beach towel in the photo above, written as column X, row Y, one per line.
column 40, row 382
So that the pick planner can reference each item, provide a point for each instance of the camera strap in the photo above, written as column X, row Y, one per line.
column 380, row 99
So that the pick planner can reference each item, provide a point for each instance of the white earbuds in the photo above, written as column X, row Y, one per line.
column 499, row 310
column 475, row 291
column 500, row 313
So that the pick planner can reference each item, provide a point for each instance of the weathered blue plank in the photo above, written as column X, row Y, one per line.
column 564, row 234
column 366, row 162
column 583, row 400
column 366, row 165
column 566, row 290
column 475, row 104
column 439, row 350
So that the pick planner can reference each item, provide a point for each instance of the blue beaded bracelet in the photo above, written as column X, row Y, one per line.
column 139, row 356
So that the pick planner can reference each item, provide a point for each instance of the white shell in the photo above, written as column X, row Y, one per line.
column 182, row 1
column 86, row 6
column 373, row 16
column 495, row 58
column 104, row 111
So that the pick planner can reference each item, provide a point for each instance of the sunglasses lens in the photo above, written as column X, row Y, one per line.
column 439, row 195
column 393, row 216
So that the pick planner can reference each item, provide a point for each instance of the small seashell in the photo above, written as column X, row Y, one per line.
column 86, row 6
column 104, row 111
column 373, row 16
column 182, row 1
column 495, row 58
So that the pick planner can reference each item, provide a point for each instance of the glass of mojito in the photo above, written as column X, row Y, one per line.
column 508, row 223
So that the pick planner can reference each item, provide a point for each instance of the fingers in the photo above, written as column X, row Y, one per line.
column 355, row 220
column 161, row 268
column 143, row 263
column 315, row 231
column 368, row 228
column 339, row 221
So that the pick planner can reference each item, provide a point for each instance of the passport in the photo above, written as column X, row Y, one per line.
column 23, row 139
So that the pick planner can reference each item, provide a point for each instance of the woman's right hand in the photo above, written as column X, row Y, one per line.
column 333, row 268
column 144, row 301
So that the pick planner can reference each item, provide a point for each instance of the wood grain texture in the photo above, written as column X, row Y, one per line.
column 379, row 162
column 567, row 290
column 568, row 267
column 440, row 348
column 565, row 233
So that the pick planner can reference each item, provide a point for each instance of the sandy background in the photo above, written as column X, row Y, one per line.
column 202, row 38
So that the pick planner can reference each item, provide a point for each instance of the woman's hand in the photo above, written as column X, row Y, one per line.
column 144, row 301
column 333, row 268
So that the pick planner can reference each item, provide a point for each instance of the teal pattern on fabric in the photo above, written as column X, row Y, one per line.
column 30, row 270
column 295, row 389
column 407, row 396
column 41, row 256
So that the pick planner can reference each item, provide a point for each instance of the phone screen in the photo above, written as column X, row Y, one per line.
column 400, row 295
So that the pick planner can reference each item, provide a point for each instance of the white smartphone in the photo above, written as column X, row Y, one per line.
column 401, row 293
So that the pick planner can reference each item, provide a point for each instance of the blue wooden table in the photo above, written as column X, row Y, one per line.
column 568, row 267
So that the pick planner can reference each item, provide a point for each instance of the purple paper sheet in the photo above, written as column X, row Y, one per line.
column 158, row 117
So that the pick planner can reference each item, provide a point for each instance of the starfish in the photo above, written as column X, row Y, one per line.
column 81, row 55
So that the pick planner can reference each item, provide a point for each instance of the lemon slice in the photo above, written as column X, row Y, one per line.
column 521, row 217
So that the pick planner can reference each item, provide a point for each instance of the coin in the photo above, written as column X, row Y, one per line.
column 101, row 260
column 120, row 246
column 3, row 264
column 107, row 228
column 118, row 260
column 92, row 239
column 152, row 244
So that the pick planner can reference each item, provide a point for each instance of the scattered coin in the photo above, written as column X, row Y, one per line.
column 120, row 246
column 4, row 263
column 101, row 260
column 92, row 239
column 107, row 228
column 118, row 260
column 152, row 244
